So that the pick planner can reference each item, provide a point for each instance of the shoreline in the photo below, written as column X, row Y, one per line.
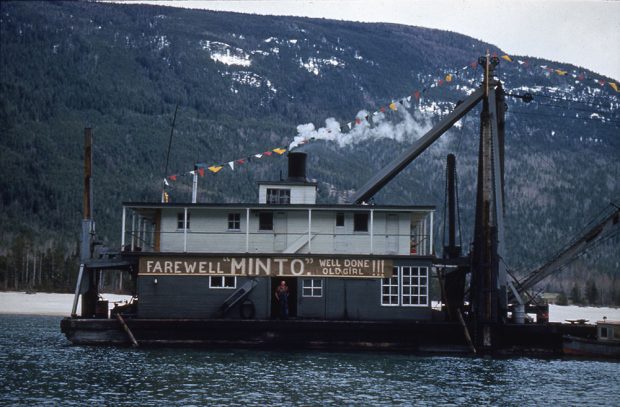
column 57, row 304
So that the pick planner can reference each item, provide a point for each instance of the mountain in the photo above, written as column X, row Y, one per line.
column 243, row 83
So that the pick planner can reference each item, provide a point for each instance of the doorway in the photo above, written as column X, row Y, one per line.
column 291, row 282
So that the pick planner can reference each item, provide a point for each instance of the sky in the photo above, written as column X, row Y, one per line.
column 585, row 33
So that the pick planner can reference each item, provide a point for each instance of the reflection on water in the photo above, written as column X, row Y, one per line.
column 38, row 366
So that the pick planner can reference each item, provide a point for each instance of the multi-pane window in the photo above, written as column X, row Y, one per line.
column 234, row 221
column 181, row 220
column 278, row 196
column 265, row 221
column 339, row 219
column 389, row 288
column 312, row 287
column 407, row 287
column 360, row 222
column 415, row 286
column 222, row 282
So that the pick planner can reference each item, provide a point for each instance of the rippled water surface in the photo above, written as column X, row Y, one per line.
column 38, row 366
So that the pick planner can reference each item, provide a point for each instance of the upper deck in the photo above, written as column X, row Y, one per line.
column 277, row 228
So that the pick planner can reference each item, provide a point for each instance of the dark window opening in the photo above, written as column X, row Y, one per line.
column 265, row 221
column 339, row 219
column 360, row 222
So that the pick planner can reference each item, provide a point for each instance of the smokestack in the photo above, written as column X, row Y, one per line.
column 297, row 167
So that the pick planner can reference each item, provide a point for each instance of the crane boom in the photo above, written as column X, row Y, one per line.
column 398, row 164
column 602, row 229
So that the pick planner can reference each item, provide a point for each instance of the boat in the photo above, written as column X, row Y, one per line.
column 605, row 344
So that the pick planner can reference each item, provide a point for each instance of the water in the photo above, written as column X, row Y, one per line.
column 39, row 367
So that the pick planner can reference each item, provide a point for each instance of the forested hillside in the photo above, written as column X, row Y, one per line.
column 243, row 84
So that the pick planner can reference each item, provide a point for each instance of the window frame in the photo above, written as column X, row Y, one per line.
column 181, row 221
column 278, row 196
column 340, row 216
column 236, row 220
column 406, row 284
column 315, row 291
column 222, row 285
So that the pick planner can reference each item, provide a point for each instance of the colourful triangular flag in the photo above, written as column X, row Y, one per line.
column 358, row 120
column 349, row 125
column 267, row 153
column 215, row 168
column 561, row 72
column 201, row 171
column 241, row 161
column 408, row 98
column 417, row 94
column 232, row 165
column 449, row 78
column 258, row 155
column 173, row 177
column 507, row 58
column 166, row 182
column 279, row 150
column 614, row 86
column 393, row 106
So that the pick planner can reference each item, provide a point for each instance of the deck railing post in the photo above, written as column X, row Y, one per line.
column 123, row 229
column 247, row 230
column 309, row 230
column 372, row 229
column 184, row 230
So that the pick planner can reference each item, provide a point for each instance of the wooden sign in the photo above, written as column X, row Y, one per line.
column 349, row 267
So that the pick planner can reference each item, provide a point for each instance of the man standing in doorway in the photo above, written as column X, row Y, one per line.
column 282, row 297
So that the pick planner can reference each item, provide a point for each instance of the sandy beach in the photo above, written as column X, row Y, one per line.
column 60, row 305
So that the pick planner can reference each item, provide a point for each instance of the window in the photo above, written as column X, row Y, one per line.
column 312, row 287
column 222, row 282
column 415, row 286
column 278, row 196
column 234, row 221
column 389, row 288
column 340, row 220
column 181, row 220
column 360, row 222
column 408, row 287
column 265, row 221
column 604, row 332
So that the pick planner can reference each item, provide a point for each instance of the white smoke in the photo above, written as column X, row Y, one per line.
column 406, row 128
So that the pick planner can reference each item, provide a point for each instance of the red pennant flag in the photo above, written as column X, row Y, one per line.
column 241, row 161
column 417, row 94
column 173, row 178
column 440, row 82
column 267, row 153
column 201, row 171
column 581, row 76
column 601, row 82
column 382, row 110
column 358, row 121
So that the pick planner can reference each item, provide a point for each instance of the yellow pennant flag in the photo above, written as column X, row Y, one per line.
column 279, row 150
column 215, row 168
column 507, row 58
column 561, row 72
column 614, row 86
column 393, row 106
column 449, row 78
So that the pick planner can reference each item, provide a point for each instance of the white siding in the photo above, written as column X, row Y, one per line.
column 208, row 232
